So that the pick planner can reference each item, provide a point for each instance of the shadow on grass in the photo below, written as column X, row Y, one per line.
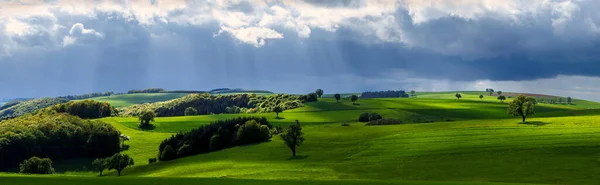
column 147, row 127
column 536, row 123
column 298, row 157
column 279, row 117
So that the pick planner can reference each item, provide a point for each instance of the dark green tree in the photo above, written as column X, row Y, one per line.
column 501, row 97
column 119, row 162
column 569, row 100
column 145, row 117
column 499, row 93
column 168, row 153
column 190, row 111
column 293, row 137
column 319, row 92
column 100, row 164
column 353, row 98
column 458, row 96
column 522, row 106
column 277, row 110
column 337, row 97
column 36, row 165
column 481, row 96
column 413, row 93
column 491, row 91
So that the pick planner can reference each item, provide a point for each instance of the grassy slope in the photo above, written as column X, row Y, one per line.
column 124, row 100
column 487, row 146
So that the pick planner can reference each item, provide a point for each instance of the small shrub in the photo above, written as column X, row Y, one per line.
column 190, row 111
column 152, row 160
column 36, row 165
column 252, row 132
column 374, row 116
column 364, row 117
column 385, row 121
column 168, row 153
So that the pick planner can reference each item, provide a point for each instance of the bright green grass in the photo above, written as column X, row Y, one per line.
column 483, row 144
column 124, row 100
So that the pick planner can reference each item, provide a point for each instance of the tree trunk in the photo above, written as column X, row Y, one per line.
column 294, row 151
column 523, row 119
column 119, row 172
column 101, row 172
column 277, row 114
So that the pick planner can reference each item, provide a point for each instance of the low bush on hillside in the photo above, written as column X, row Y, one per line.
column 366, row 117
column 36, row 165
column 385, row 121
column 385, row 94
column 84, row 109
column 216, row 104
column 56, row 136
column 215, row 136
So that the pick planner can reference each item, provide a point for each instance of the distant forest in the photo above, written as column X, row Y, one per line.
column 385, row 94
column 20, row 107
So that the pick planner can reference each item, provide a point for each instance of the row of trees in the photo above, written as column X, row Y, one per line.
column 117, row 162
column 385, row 94
column 148, row 90
column 84, row 109
column 55, row 136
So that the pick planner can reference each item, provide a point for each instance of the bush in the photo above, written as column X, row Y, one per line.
column 168, row 153
column 364, row 117
column 374, row 116
column 312, row 97
column 35, row 165
column 56, row 136
column 85, row 109
column 190, row 111
column 152, row 160
column 183, row 150
column 385, row 121
column 231, row 132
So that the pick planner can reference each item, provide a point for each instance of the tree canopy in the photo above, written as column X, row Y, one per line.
column 523, row 106
column 293, row 137
column 337, row 97
column 319, row 92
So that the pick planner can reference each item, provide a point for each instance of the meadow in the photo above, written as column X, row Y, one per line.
column 442, row 141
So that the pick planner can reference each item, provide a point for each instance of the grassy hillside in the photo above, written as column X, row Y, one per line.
column 445, row 141
column 123, row 100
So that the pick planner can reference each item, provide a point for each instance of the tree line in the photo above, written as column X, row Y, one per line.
column 55, row 136
column 385, row 94
column 84, row 109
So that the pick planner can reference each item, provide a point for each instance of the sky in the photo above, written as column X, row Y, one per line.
column 53, row 48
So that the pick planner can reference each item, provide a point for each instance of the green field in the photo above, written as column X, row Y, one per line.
column 443, row 141
column 124, row 100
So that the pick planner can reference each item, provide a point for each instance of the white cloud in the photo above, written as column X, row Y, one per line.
column 78, row 32
column 252, row 35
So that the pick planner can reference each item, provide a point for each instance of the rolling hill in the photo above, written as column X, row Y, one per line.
column 442, row 141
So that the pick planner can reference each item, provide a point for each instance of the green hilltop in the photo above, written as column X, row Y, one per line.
column 442, row 140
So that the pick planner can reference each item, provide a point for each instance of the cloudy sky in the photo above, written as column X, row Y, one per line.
column 51, row 48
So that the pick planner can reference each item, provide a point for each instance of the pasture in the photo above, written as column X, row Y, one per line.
column 442, row 141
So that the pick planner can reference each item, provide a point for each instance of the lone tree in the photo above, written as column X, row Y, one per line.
column 277, row 110
column 337, row 97
column 119, row 162
column 481, row 96
column 100, row 165
column 569, row 100
column 353, row 98
column 413, row 93
column 319, row 92
column 491, row 91
column 145, row 118
column 190, row 111
column 499, row 93
column 458, row 96
column 293, row 137
column 522, row 106
column 501, row 98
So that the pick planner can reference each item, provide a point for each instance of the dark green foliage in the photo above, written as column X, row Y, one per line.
column 385, row 121
column 152, row 160
column 119, row 162
column 57, row 136
column 228, row 90
column 149, row 90
column 499, row 92
column 491, row 91
column 277, row 110
column 190, row 111
column 458, row 96
column 480, row 96
column 312, row 97
column 353, row 98
column 85, row 109
column 374, row 116
column 252, row 132
column 319, row 92
column 183, row 150
column 100, row 164
column 569, row 100
column 293, row 137
column 86, row 96
column 384, row 94
column 366, row 117
column 337, row 97
column 202, row 139
column 35, row 165
column 217, row 104
column 501, row 97
column 523, row 106
column 10, row 104
column 145, row 118
column 167, row 154
column 413, row 93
